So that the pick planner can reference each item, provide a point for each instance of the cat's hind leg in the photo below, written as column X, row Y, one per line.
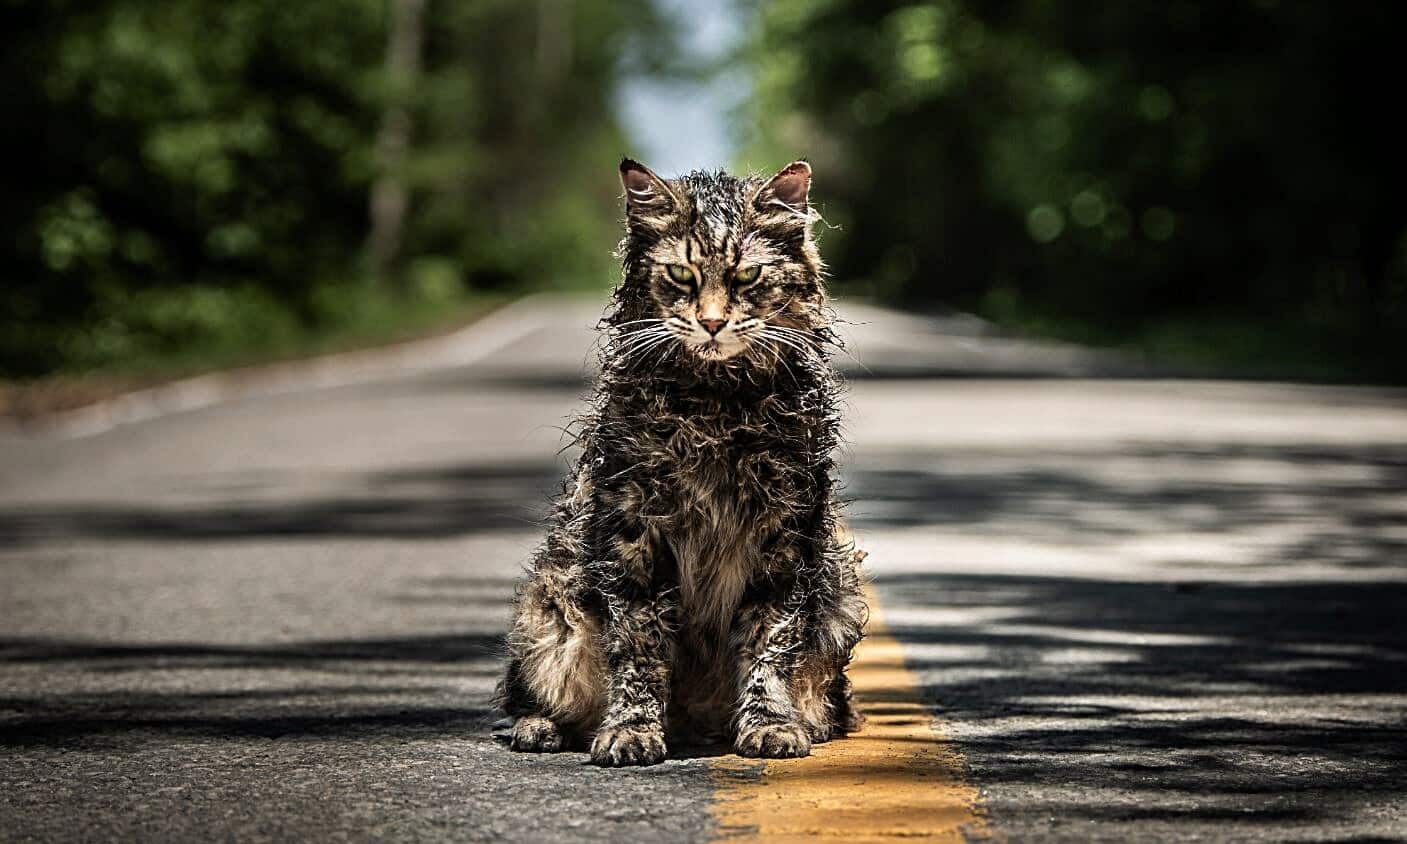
column 846, row 717
column 554, row 685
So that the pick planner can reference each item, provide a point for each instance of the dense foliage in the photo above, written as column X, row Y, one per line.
column 1106, row 170
column 197, row 171
column 196, row 174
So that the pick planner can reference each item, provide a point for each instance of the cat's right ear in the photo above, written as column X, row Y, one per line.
column 646, row 195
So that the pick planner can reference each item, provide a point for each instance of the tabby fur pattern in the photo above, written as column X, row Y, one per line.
column 696, row 582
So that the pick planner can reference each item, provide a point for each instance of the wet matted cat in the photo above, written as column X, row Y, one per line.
column 695, row 581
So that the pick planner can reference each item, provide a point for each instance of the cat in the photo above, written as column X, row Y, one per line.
column 695, row 574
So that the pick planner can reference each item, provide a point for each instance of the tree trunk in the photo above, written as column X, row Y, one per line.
column 389, row 195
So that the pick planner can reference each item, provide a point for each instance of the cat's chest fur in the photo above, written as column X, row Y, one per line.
column 715, row 547
column 724, row 478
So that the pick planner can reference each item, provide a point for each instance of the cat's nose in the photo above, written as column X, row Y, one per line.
column 713, row 326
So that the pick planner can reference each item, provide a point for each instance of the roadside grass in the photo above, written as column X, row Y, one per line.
column 1272, row 347
column 172, row 339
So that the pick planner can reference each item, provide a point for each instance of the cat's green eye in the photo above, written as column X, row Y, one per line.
column 681, row 274
column 747, row 275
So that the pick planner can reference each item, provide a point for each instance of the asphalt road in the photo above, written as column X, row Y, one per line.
column 1145, row 610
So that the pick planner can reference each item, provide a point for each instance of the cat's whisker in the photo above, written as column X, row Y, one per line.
column 808, row 336
column 667, row 347
column 623, row 337
column 770, row 331
column 633, row 337
column 803, row 349
column 759, row 349
column 792, row 334
column 640, row 349
column 647, row 329
column 820, row 340
column 638, row 352
column 629, row 344
column 641, row 339
column 798, row 345
column 776, row 352
column 636, row 331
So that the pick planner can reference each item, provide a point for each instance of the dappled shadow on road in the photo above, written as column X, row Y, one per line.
column 1208, row 701
column 406, row 503
column 95, row 725
column 1201, row 636
column 99, row 656
column 1339, row 504
column 125, row 695
column 1262, row 506
column 1222, row 642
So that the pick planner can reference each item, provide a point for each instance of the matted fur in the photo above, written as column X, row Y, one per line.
column 695, row 577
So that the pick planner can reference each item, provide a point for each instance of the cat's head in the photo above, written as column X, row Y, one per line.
column 724, row 267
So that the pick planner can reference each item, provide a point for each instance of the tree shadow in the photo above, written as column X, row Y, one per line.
column 384, row 701
column 1189, row 633
column 1209, row 702
column 1191, row 693
column 1337, row 504
column 1348, row 492
column 407, row 503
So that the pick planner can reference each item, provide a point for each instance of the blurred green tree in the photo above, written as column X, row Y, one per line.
column 202, row 171
column 1105, row 171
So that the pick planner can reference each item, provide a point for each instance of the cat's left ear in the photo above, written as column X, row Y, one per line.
column 790, row 187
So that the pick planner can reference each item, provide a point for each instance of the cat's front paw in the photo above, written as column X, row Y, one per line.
column 536, row 734
column 631, row 744
column 774, row 741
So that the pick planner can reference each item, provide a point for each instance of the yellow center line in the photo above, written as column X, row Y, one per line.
column 898, row 777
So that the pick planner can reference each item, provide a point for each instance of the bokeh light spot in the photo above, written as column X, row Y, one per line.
column 869, row 108
column 1155, row 103
column 1087, row 208
column 1159, row 223
column 1045, row 223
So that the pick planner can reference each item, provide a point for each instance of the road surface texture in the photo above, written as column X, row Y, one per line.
column 1141, row 610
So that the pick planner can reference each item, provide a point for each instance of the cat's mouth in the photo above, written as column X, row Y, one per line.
column 714, row 350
